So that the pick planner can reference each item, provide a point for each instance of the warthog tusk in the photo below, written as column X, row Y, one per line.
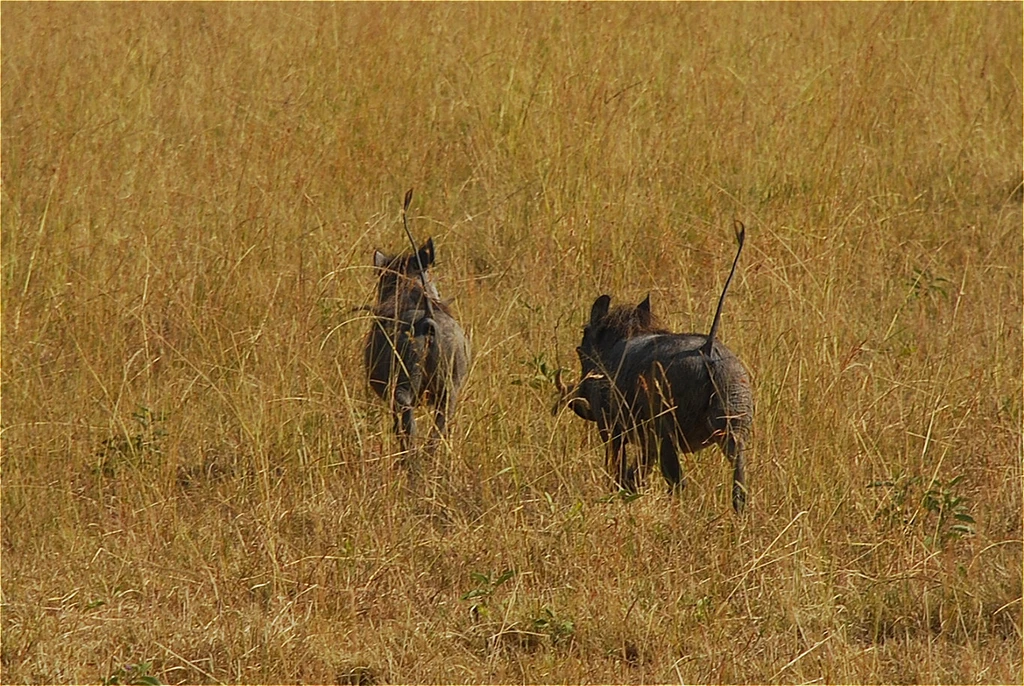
column 566, row 395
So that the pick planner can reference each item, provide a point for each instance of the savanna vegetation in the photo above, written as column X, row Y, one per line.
column 198, row 486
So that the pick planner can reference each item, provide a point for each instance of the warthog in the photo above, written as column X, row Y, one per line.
column 415, row 349
column 668, row 392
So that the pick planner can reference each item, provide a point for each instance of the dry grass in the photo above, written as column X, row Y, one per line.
column 196, row 478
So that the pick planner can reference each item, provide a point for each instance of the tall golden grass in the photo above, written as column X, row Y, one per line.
column 197, row 485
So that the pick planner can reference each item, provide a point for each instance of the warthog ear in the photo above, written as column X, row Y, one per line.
column 426, row 253
column 600, row 308
column 643, row 311
column 380, row 260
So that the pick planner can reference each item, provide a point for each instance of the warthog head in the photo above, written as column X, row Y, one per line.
column 608, row 326
column 405, row 275
column 605, row 328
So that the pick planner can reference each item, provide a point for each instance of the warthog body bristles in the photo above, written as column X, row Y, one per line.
column 415, row 350
column 667, row 392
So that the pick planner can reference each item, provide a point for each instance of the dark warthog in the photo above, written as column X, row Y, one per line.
column 415, row 349
column 668, row 392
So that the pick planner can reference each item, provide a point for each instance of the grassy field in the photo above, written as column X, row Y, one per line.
column 198, row 486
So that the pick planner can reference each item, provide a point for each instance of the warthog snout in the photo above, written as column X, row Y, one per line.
column 575, row 398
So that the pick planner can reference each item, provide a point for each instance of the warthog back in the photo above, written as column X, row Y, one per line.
column 415, row 351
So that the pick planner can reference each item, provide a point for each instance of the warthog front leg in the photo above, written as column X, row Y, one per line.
column 657, row 442
column 405, row 420
column 615, row 458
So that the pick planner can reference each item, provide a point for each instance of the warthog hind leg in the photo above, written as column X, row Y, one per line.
column 734, row 452
column 668, row 459
column 443, row 406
